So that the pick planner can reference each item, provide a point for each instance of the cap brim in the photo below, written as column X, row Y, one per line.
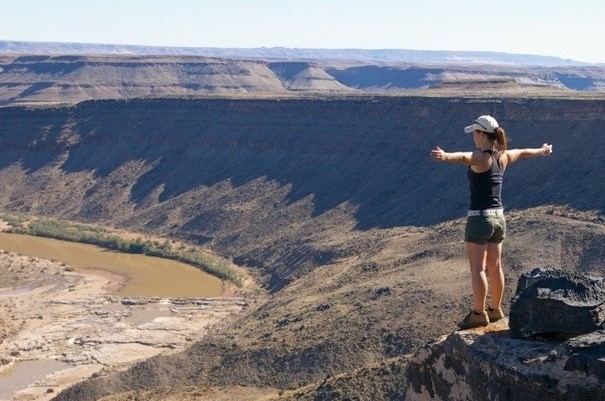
column 471, row 128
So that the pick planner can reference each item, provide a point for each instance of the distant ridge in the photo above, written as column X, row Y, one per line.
column 51, row 79
column 389, row 56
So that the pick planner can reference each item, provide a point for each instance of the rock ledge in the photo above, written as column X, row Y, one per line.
column 487, row 364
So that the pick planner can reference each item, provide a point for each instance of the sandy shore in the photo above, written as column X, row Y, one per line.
column 50, row 313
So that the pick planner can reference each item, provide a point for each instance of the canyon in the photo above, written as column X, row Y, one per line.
column 331, row 202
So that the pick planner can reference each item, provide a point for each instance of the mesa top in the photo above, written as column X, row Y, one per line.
column 486, row 187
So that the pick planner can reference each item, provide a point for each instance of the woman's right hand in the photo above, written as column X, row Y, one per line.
column 546, row 150
column 438, row 154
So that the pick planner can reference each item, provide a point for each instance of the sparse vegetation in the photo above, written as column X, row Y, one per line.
column 13, row 220
column 88, row 234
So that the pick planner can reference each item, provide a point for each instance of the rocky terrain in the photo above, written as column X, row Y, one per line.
column 69, row 79
column 49, row 313
column 487, row 364
column 346, row 330
column 553, row 351
column 332, row 202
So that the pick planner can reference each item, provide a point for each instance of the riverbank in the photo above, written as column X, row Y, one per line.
column 145, row 276
column 236, row 280
column 51, row 312
column 124, row 242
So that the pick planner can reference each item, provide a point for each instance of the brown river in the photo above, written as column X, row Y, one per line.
column 145, row 275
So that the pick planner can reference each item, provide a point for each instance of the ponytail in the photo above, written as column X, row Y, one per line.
column 500, row 136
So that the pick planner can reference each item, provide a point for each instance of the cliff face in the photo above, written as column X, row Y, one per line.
column 72, row 79
column 287, row 186
column 489, row 365
column 68, row 79
column 265, row 181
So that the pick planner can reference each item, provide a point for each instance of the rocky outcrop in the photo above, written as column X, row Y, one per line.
column 489, row 364
column 557, row 303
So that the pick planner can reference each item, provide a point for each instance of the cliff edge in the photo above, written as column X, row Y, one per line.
column 487, row 364
column 548, row 361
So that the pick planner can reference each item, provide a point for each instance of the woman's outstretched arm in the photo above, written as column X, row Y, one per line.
column 465, row 158
column 514, row 155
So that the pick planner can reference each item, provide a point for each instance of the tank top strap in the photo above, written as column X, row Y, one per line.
column 495, row 155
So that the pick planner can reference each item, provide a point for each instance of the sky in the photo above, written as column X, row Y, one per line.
column 564, row 28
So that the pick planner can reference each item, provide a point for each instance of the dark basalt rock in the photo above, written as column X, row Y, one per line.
column 557, row 304
column 485, row 364
column 587, row 354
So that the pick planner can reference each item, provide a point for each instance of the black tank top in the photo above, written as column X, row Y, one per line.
column 486, row 187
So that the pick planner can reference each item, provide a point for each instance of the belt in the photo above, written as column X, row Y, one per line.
column 486, row 212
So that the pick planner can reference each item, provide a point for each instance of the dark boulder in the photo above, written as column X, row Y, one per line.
column 555, row 303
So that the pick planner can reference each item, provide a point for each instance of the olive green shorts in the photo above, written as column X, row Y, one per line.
column 484, row 229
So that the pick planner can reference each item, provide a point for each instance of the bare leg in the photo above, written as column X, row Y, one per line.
column 496, row 275
column 477, row 254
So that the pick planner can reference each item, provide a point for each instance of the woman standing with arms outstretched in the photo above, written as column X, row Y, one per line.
column 485, row 224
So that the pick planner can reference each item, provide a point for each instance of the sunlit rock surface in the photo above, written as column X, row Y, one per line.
column 496, row 363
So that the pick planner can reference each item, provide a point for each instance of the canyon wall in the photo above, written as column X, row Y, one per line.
column 261, row 181
column 334, row 202
column 69, row 79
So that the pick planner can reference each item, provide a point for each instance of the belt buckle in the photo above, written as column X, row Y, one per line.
column 492, row 212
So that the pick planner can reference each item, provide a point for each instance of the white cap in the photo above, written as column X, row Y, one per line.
column 483, row 123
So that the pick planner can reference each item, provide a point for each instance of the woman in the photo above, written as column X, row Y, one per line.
column 486, row 225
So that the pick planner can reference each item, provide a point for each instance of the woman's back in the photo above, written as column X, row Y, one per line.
column 486, row 186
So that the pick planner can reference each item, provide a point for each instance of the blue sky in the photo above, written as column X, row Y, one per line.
column 564, row 28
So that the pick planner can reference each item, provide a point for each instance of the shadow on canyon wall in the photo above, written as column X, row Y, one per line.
column 373, row 154
column 300, row 190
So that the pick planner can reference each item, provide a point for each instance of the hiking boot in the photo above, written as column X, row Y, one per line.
column 474, row 320
column 494, row 314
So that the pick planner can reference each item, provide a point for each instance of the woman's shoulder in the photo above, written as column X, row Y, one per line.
column 503, row 160
column 480, row 161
